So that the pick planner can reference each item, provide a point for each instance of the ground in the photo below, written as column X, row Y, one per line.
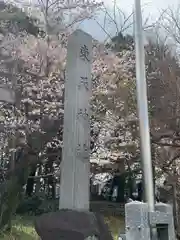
column 23, row 228
column 116, row 225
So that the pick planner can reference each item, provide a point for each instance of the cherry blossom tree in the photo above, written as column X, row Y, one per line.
column 33, row 126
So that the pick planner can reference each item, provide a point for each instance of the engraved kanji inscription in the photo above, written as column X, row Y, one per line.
column 84, row 53
column 78, row 149
column 82, row 113
column 84, row 82
column 85, row 147
column 82, row 151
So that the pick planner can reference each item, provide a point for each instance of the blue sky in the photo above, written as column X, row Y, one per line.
column 151, row 9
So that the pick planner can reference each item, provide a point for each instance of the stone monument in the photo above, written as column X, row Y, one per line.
column 74, row 190
column 73, row 220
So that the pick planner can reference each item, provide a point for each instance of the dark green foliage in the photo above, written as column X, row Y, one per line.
column 29, row 205
column 121, row 42
column 48, row 206
column 9, row 200
column 36, row 205
column 11, row 191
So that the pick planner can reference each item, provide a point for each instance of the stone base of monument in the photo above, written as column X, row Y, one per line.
column 139, row 222
column 72, row 224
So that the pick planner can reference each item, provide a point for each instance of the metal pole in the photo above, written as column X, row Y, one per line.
column 143, row 107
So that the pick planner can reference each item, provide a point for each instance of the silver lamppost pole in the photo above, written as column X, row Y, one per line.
column 143, row 107
column 145, row 220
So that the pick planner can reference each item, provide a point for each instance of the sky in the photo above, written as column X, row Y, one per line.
column 150, row 8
